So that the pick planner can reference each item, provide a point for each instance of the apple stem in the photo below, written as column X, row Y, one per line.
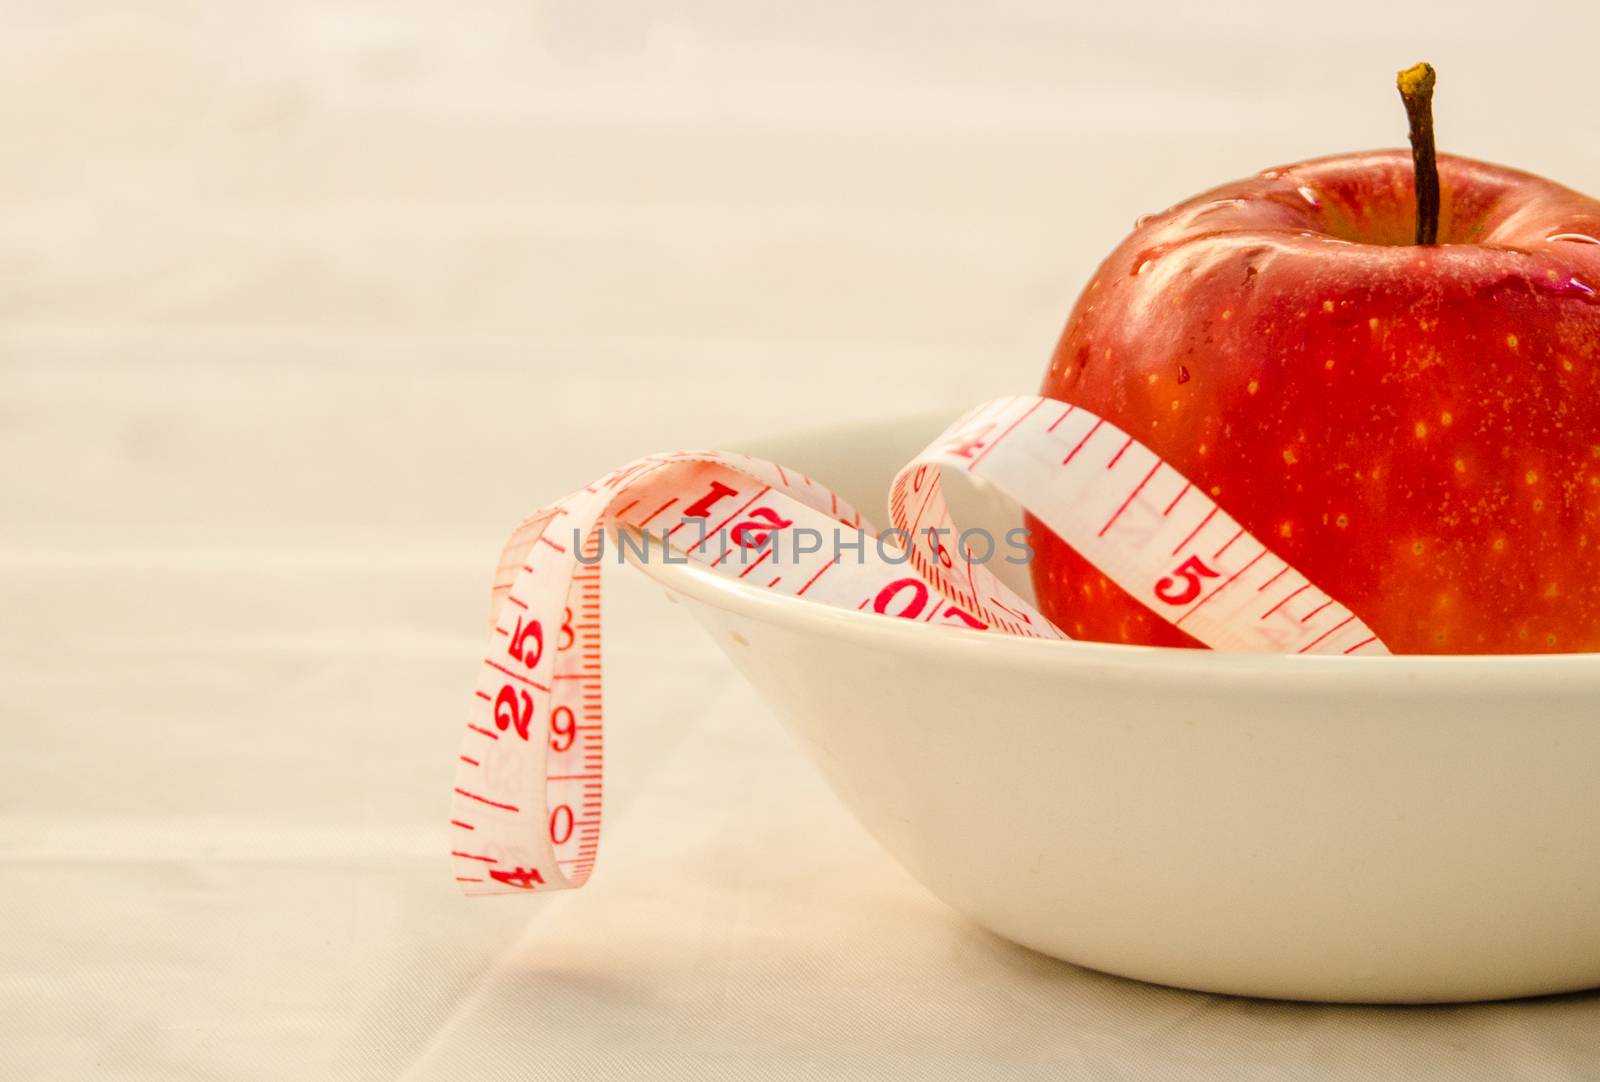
column 1416, row 90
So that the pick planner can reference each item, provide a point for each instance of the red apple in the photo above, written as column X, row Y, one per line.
column 1416, row 428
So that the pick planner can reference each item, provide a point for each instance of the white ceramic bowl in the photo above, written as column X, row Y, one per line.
column 1343, row 829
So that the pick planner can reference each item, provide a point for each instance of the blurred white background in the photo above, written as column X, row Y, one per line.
column 302, row 305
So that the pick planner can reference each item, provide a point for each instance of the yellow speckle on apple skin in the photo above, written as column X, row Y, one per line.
column 1499, row 544
column 1286, row 530
column 1327, row 306
column 1445, row 419
column 1342, row 521
column 1252, row 387
column 1372, row 324
column 1532, row 476
column 1461, row 465
column 1421, row 430
column 1328, row 364
column 1511, row 341
column 1227, row 314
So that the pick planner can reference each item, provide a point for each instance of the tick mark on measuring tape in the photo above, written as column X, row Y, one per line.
column 1325, row 634
column 801, row 592
column 1194, row 532
column 1116, row 457
column 1136, row 490
column 1074, row 452
column 1228, row 544
column 758, row 563
column 658, row 511
column 1012, row 427
column 486, row 800
column 1273, row 579
column 1316, row 610
column 1286, row 600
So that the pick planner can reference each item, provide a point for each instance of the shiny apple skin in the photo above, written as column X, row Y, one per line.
column 1416, row 429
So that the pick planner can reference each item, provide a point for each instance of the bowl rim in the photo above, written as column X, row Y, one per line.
column 966, row 645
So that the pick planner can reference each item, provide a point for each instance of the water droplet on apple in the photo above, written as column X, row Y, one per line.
column 1142, row 220
column 1270, row 174
column 1570, row 286
column 1309, row 196
column 1143, row 265
column 1573, row 238
column 1183, row 374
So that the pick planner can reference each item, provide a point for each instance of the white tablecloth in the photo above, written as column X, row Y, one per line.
column 303, row 305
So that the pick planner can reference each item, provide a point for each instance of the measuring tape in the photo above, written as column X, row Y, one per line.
column 526, row 810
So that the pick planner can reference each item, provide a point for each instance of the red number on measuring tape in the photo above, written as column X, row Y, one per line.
column 561, row 824
column 701, row 508
column 1009, row 611
column 563, row 728
column 965, row 617
column 1191, row 571
column 518, row 877
column 753, row 534
column 886, row 596
column 568, row 636
column 519, row 638
column 510, row 713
